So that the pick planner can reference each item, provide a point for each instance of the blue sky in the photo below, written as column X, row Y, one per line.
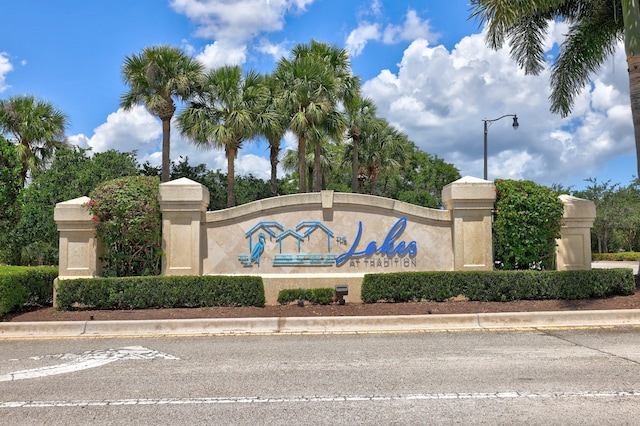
column 423, row 62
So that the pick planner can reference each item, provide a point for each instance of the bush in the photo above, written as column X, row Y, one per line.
column 318, row 296
column 497, row 286
column 129, row 224
column 160, row 292
column 24, row 286
column 631, row 256
column 527, row 225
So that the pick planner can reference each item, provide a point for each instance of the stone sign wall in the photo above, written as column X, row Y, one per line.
column 320, row 239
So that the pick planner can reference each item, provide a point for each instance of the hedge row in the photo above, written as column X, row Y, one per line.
column 497, row 286
column 318, row 296
column 22, row 286
column 160, row 292
column 625, row 255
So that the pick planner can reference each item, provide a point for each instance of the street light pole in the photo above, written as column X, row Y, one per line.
column 486, row 131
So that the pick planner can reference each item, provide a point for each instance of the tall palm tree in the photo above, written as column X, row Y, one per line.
column 224, row 113
column 359, row 114
column 156, row 77
column 37, row 127
column 595, row 27
column 274, row 125
column 315, row 80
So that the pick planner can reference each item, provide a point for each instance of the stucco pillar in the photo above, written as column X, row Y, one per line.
column 470, row 201
column 79, row 252
column 574, row 246
column 183, row 203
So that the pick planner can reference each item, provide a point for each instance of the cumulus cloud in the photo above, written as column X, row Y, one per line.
column 233, row 24
column 5, row 68
column 440, row 98
column 412, row 28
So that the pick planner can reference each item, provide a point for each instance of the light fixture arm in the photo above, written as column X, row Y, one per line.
column 486, row 131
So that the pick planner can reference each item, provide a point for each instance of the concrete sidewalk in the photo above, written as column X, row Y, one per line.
column 336, row 324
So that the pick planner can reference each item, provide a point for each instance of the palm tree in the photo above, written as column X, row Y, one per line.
column 595, row 27
column 224, row 113
column 314, row 81
column 37, row 128
column 274, row 126
column 155, row 77
column 359, row 114
column 386, row 149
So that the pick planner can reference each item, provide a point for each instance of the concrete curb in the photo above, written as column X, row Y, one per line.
column 336, row 324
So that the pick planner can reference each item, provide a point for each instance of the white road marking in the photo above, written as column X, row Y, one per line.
column 85, row 360
column 330, row 399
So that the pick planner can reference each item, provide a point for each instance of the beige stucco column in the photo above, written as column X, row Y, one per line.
column 471, row 202
column 79, row 250
column 183, row 203
column 574, row 246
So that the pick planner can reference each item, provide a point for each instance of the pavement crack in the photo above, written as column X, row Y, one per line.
column 580, row 345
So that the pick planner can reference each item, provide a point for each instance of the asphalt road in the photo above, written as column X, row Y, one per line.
column 564, row 376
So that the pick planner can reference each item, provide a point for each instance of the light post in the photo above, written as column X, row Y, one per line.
column 486, row 130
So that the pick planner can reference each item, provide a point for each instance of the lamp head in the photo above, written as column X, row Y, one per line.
column 515, row 122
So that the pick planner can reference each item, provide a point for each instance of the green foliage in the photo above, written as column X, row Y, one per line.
column 527, row 225
column 22, row 286
column 129, row 224
column 9, row 192
column 160, row 292
column 318, row 296
column 497, row 286
column 72, row 174
column 632, row 256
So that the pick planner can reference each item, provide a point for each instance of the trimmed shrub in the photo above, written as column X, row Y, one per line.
column 129, row 224
column 160, row 292
column 23, row 286
column 317, row 296
column 631, row 256
column 527, row 225
column 497, row 286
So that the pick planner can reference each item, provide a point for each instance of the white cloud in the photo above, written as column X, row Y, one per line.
column 5, row 68
column 219, row 53
column 440, row 97
column 233, row 24
column 413, row 28
column 358, row 38
column 276, row 51
column 124, row 131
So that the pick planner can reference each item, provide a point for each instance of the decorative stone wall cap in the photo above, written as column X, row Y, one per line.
column 469, row 188
column 575, row 207
column 72, row 210
column 184, row 190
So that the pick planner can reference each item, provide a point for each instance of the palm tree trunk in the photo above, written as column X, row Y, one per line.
column 631, row 16
column 317, row 166
column 634, row 92
column 302, row 164
column 273, row 156
column 231, row 181
column 166, row 147
column 354, row 165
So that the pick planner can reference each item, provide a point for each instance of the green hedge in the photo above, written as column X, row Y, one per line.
column 318, row 296
column 625, row 255
column 160, row 292
column 22, row 286
column 497, row 286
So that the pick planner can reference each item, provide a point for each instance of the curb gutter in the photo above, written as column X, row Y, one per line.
column 335, row 324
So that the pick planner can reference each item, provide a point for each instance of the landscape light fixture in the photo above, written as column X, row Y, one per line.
column 486, row 131
column 342, row 290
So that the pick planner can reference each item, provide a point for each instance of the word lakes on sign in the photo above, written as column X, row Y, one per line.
column 374, row 253
column 286, row 235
